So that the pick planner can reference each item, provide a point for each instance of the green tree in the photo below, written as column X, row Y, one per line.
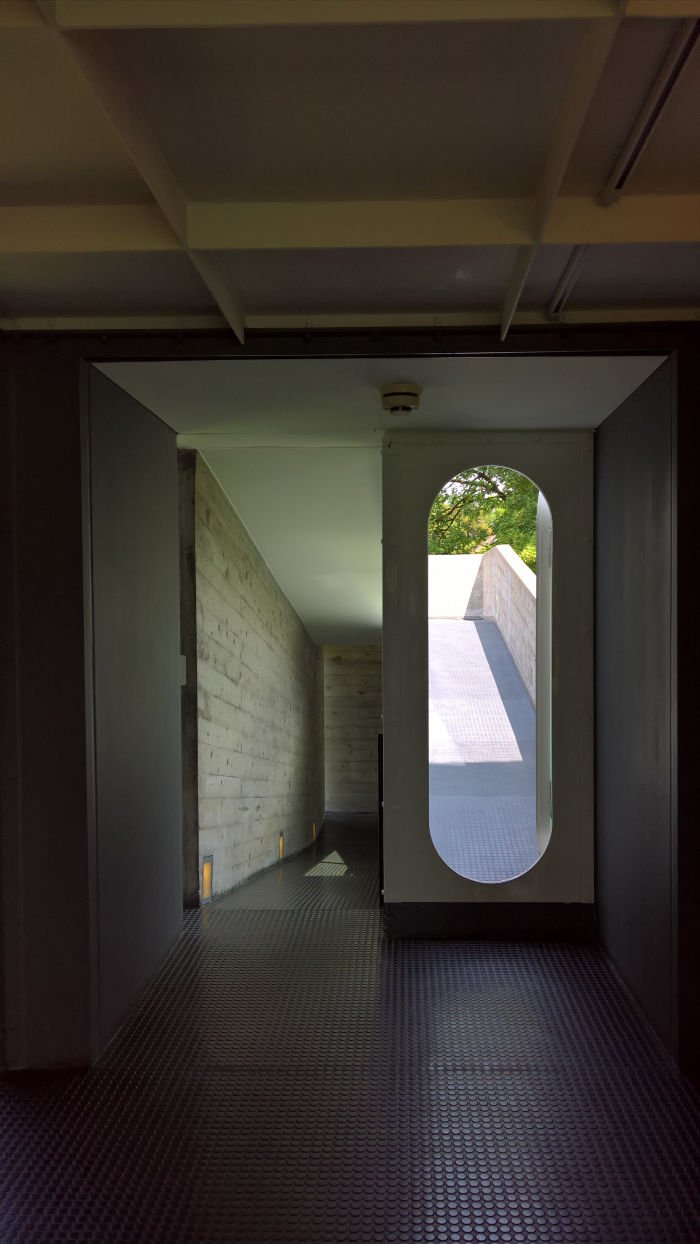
column 485, row 506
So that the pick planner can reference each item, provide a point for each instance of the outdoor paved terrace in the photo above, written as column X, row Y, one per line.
column 482, row 753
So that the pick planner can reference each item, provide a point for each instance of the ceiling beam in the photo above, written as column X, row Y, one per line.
column 220, row 14
column 357, row 320
column 663, row 8
column 635, row 218
column 85, row 229
column 439, row 222
column 432, row 223
column 107, row 84
column 593, row 52
column 111, row 323
column 212, row 14
column 319, row 225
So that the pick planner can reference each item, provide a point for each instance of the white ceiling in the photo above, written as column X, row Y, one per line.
column 315, row 95
column 295, row 445
column 301, row 163
column 257, row 164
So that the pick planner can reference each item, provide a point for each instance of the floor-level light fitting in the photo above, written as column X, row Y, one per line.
column 207, row 878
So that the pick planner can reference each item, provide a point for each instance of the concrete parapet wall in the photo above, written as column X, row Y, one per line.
column 353, row 719
column 259, row 701
column 495, row 585
column 510, row 598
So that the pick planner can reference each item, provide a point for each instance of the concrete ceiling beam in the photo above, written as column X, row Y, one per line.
column 439, row 222
column 362, row 321
column 669, row 9
column 102, row 74
column 85, row 229
column 212, row 14
column 635, row 218
column 387, row 223
column 430, row 224
column 220, row 14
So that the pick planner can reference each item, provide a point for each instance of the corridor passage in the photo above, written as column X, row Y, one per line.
column 482, row 753
column 292, row 1077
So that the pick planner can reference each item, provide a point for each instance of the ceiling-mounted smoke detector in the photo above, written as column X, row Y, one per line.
column 401, row 398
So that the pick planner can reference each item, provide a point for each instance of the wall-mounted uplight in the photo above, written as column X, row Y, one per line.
column 207, row 878
column 281, row 846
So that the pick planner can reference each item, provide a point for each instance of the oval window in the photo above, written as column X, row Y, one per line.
column 489, row 629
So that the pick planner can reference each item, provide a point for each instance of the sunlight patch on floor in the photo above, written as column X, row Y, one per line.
column 330, row 866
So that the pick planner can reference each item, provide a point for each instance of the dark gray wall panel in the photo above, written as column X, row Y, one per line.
column 634, row 671
column 135, row 614
column 687, row 716
column 45, row 907
column 186, row 463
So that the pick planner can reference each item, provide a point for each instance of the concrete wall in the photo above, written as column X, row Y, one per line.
column 510, row 598
column 635, row 678
column 260, row 701
column 352, row 679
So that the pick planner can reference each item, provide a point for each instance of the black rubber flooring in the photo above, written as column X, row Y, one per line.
column 291, row 1076
column 339, row 871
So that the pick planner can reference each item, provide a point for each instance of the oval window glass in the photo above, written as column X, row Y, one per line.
column 489, row 630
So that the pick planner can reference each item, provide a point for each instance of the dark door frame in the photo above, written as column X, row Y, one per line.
column 68, row 353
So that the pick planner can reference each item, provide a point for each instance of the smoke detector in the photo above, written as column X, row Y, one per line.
column 401, row 398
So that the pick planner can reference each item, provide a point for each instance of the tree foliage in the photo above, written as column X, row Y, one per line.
column 485, row 506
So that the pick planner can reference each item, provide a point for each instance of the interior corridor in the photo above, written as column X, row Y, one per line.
column 292, row 1076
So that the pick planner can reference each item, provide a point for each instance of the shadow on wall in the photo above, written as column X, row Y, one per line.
column 482, row 753
column 496, row 586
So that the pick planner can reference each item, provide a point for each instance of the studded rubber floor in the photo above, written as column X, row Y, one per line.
column 291, row 1076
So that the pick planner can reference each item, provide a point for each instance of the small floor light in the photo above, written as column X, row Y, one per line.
column 281, row 846
column 207, row 877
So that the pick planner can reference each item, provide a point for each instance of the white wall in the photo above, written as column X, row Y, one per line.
column 416, row 466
